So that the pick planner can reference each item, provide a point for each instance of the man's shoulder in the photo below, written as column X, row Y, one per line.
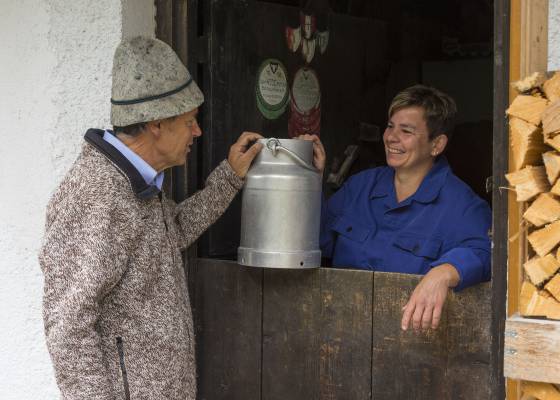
column 92, row 179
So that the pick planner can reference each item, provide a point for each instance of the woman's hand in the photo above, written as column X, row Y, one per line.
column 319, row 155
column 241, row 155
column 425, row 305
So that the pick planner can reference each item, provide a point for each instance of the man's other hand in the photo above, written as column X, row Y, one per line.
column 242, row 153
column 319, row 155
column 425, row 305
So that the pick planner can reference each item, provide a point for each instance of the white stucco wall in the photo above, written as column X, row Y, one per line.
column 55, row 81
column 554, row 35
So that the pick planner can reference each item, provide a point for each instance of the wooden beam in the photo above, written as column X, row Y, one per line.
column 531, row 349
column 534, row 36
column 528, row 53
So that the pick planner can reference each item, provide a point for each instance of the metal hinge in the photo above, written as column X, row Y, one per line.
column 489, row 184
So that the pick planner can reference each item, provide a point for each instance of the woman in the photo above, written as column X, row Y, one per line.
column 414, row 215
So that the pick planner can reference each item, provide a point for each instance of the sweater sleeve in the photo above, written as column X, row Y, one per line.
column 84, row 254
column 194, row 215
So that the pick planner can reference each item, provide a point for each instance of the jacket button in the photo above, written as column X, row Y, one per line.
column 349, row 229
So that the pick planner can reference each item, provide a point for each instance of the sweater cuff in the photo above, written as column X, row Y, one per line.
column 225, row 170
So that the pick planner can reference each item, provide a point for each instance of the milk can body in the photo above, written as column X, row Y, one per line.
column 281, row 208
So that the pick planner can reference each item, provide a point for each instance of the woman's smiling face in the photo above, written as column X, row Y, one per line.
column 407, row 140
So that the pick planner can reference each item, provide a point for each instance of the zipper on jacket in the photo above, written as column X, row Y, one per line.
column 120, row 349
column 171, row 248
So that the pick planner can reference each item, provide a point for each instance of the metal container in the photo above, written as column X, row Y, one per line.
column 281, row 207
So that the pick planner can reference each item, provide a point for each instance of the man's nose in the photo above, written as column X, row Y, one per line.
column 196, row 130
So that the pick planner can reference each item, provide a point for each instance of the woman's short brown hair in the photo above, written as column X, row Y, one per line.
column 439, row 108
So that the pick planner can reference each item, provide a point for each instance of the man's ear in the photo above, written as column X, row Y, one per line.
column 439, row 143
column 154, row 128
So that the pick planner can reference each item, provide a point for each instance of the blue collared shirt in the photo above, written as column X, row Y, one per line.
column 363, row 226
column 150, row 175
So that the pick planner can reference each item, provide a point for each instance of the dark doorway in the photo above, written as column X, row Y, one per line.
column 226, row 42
column 372, row 50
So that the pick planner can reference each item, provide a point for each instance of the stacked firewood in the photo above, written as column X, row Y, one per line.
column 534, row 118
column 541, row 391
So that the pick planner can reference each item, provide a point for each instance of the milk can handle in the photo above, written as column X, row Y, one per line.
column 274, row 145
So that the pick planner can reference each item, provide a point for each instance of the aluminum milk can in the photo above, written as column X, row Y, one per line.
column 281, row 207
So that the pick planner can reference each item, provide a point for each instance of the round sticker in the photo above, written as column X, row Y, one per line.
column 272, row 88
column 306, row 91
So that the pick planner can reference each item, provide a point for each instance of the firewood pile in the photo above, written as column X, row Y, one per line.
column 540, row 391
column 534, row 119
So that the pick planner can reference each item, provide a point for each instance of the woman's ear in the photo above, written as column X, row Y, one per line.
column 438, row 144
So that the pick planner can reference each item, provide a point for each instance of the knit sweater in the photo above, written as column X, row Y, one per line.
column 116, row 310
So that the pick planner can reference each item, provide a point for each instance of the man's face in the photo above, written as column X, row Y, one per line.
column 177, row 135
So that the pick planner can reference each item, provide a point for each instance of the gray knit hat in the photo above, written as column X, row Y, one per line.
column 149, row 83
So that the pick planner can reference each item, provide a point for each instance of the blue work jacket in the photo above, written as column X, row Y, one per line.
column 363, row 226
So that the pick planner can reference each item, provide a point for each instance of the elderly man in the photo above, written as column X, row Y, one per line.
column 116, row 309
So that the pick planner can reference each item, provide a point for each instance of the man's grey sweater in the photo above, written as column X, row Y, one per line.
column 116, row 309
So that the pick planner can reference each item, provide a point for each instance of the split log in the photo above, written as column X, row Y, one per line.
column 551, row 87
column 548, row 306
column 556, row 188
column 528, row 291
column 553, row 141
column 529, row 182
column 551, row 119
column 527, row 143
column 536, row 306
column 541, row 391
column 542, row 304
column 541, row 269
column 535, row 80
column 551, row 161
column 544, row 210
column 528, row 108
column 553, row 287
column 545, row 239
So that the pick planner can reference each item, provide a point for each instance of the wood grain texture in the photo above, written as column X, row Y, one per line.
column 531, row 350
column 291, row 334
column 228, row 330
column 346, row 334
column 405, row 365
column 335, row 334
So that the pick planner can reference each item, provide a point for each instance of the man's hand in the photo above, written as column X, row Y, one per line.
column 319, row 155
column 241, row 155
column 426, row 303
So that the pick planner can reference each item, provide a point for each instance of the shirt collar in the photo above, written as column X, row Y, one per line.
column 429, row 188
column 150, row 175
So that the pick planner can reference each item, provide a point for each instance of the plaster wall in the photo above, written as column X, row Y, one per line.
column 55, row 82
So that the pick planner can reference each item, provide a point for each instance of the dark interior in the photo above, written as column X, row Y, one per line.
column 375, row 49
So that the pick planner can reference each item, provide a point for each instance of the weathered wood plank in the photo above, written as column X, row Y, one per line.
column 229, row 308
column 405, row 365
column 326, row 334
column 346, row 332
column 532, row 350
column 164, row 21
column 291, row 331
column 469, row 344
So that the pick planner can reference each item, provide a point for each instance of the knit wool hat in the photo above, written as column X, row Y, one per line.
column 149, row 83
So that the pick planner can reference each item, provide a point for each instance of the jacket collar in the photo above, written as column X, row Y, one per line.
column 429, row 188
column 139, row 186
